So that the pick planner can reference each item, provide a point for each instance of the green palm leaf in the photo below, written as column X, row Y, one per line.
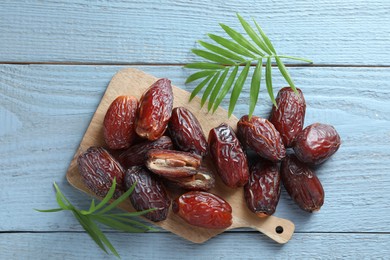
column 212, row 57
column 223, row 52
column 210, row 87
column 240, row 39
column 216, row 89
column 226, row 88
column 285, row 74
column 253, row 48
column 200, row 87
column 265, row 38
column 231, row 46
column 256, row 38
column 199, row 75
column 268, row 81
column 237, row 88
column 87, row 219
column 255, row 88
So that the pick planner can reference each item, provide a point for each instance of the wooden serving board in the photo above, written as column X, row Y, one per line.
column 134, row 82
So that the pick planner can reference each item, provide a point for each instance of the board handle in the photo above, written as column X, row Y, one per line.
column 278, row 229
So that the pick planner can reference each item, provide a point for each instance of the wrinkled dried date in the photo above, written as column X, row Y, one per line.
column 148, row 193
column 289, row 117
column 173, row 164
column 137, row 154
column 98, row 169
column 155, row 109
column 119, row 122
column 302, row 184
column 203, row 180
column 203, row 209
column 186, row 132
column 229, row 158
column 262, row 191
column 261, row 136
column 316, row 143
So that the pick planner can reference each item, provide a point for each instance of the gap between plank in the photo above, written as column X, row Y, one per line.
column 182, row 64
column 165, row 232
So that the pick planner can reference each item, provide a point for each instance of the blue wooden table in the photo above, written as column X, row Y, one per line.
column 57, row 57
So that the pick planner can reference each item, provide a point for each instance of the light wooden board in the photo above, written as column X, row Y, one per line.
column 134, row 82
column 169, row 246
column 150, row 32
column 45, row 111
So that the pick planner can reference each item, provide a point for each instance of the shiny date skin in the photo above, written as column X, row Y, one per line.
column 229, row 158
column 260, row 135
column 203, row 209
column 137, row 154
column 148, row 193
column 155, row 109
column 98, row 170
column 173, row 164
column 119, row 122
column 186, row 132
column 288, row 118
column 262, row 192
column 302, row 184
column 316, row 143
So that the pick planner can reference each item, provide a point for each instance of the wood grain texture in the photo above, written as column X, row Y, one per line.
column 169, row 246
column 45, row 111
column 135, row 82
column 121, row 31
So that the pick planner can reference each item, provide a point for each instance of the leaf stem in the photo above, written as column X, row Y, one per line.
column 295, row 58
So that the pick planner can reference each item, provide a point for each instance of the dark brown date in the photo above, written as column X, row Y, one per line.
column 136, row 154
column 261, row 136
column 186, row 132
column 119, row 122
column 302, row 184
column 203, row 209
column 148, row 193
column 316, row 143
column 289, row 117
column 229, row 158
column 203, row 180
column 98, row 170
column 173, row 164
column 155, row 109
column 262, row 192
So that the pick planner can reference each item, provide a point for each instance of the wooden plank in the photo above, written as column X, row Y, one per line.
column 329, row 32
column 168, row 246
column 46, row 110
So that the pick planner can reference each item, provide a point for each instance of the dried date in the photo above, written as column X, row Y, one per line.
column 229, row 158
column 186, row 132
column 173, row 164
column 316, row 143
column 261, row 136
column 262, row 192
column 302, row 184
column 155, row 109
column 119, row 122
column 137, row 154
column 203, row 209
column 98, row 170
column 148, row 193
column 288, row 118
